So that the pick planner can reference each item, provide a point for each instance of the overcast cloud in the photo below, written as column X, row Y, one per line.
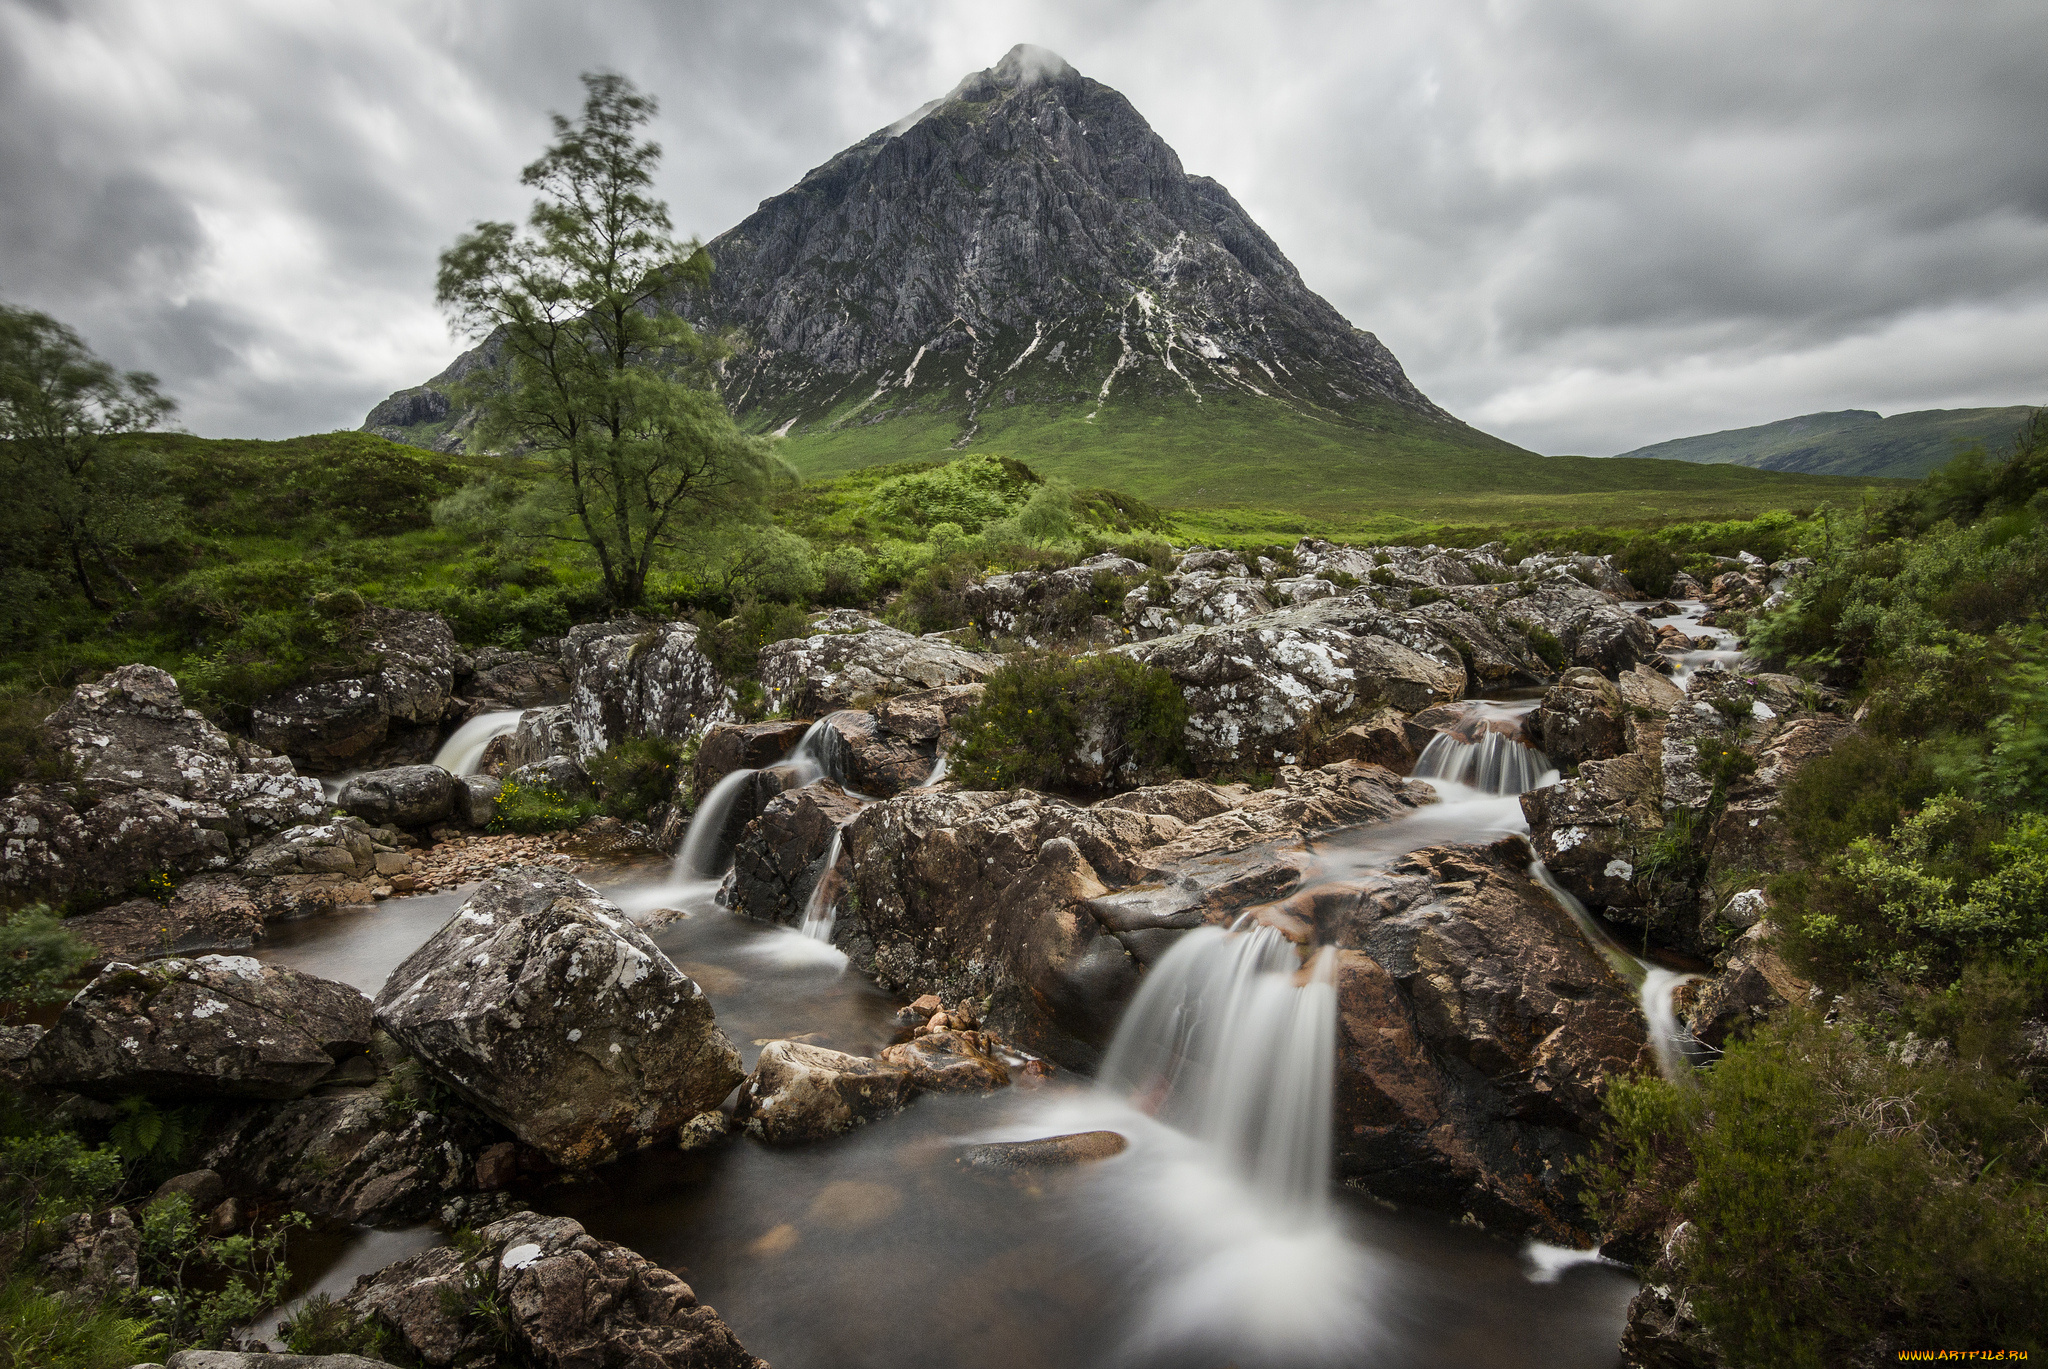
column 1584, row 226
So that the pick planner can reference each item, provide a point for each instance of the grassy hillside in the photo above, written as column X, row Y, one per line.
column 1852, row 442
column 1246, row 468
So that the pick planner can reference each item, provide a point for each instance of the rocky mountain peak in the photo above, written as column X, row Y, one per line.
column 1025, row 245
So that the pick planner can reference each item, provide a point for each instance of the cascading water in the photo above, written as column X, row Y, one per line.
column 1495, row 764
column 463, row 753
column 703, row 855
column 818, row 914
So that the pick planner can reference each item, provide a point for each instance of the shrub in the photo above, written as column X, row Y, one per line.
column 1423, row 594
column 1838, row 1196
column 734, row 644
column 1073, row 723
column 323, row 1326
column 38, row 956
column 27, row 755
column 1650, row 566
column 934, row 599
column 1544, row 643
column 634, row 775
column 40, row 1330
column 533, row 809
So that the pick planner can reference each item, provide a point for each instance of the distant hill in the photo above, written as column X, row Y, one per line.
column 1850, row 442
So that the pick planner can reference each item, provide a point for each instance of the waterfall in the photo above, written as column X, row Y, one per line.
column 938, row 772
column 818, row 915
column 703, row 855
column 1673, row 1045
column 1224, row 1042
column 462, row 753
column 1494, row 764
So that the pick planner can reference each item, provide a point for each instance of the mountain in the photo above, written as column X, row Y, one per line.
column 1850, row 442
column 1023, row 266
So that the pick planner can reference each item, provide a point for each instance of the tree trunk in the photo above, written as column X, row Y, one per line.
column 78, row 568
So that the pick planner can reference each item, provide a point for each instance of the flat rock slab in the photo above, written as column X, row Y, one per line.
column 220, row 1026
column 1044, row 1151
column 546, row 1008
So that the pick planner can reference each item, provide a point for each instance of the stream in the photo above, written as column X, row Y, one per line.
column 1216, row 1237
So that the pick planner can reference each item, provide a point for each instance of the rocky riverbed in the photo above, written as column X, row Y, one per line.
column 756, row 1077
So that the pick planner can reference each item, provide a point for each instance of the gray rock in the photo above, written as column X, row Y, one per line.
column 635, row 678
column 476, row 798
column 542, row 732
column 97, row 1253
column 727, row 747
column 562, row 775
column 203, row 1188
column 206, row 913
column 399, row 707
column 815, row 675
column 571, row 1302
column 801, row 1092
column 408, row 796
column 867, row 760
column 776, row 860
column 245, row 1359
column 547, row 1009
column 214, row 1027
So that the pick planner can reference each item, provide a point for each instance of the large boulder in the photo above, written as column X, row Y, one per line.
column 514, row 679
column 312, row 868
column 634, row 678
column 391, row 711
column 777, row 858
column 1590, row 627
column 814, row 675
column 1261, row 690
column 860, row 754
column 216, row 1027
column 206, row 913
column 1034, row 604
column 541, row 734
column 548, row 1010
column 408, row 796
column 158, row 790
column 570, row 1300
column 727, row 747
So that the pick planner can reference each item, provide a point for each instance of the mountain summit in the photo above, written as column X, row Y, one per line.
column 1023, row 253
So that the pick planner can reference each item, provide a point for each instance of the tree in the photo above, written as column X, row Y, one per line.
column 593, row 377
column 76, row 496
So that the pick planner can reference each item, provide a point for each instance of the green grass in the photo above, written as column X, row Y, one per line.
column 1852, row 442
column 1244, row 470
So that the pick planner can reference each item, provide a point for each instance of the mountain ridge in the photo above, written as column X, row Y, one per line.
column 1849, row 442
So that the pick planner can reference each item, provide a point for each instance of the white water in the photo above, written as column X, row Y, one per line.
column 1725, row 653
column 810, row 942
column 463, row 753
column 818, row 914
column 1673, row 1045
column 938, row 772
column 1494, row 764
column 703, row 855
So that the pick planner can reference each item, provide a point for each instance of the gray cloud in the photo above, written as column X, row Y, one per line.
column 1582, row 224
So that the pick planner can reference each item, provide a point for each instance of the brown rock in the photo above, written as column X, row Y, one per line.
column 727, row 747
column 1381, row 739
column 497, row 1166
column 1078, row 1148
column 800, row 1092
column 949, row 1061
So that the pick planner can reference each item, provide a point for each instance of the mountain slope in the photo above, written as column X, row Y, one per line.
column 1854, row 442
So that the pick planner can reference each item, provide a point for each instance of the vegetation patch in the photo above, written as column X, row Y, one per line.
column 1073, row 724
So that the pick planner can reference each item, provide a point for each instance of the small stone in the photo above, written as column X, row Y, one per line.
column 227, row 1217
column 497, row 1165
column 926, row 1004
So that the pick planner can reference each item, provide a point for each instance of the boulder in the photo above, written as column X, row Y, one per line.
column 1210, row 599
column 1212, row 560
column 391, row 711
column 249, row 1359
column 635, row 678
column 311, row 869
column 206, row 913
column 562, row 776
column 547, row 1009
column 97, row 1254
column 927, row 715
column 776, row 859
column 514, row 679
column 409, row 796
column 951, row 1061
column 859, row 754
column 160, row 790
column 727, row 747
column 476, row 800
column 1381, row 739
column 215, row 1027
column 1580, row 719
column 570, row 1301
column 1259, row 691
column 1076, row 1148
column 832, row 670
column 800, row 1092
column 1048, row 604
column 542, row 732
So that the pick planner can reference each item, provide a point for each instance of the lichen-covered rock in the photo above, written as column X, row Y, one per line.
column 514, row 679
column 210, row 912
column 547, row 1009
column 1258, row 688
column 800, row 1092
column 407, row 796
column 1381, row 739
column 161, row 790
column 392, row 711
column 571, row 1301
column 542, row 732
column 868, row 760
column 98, row 1254
column 476, row 799
column 313, row 868
column 815, row 675
column 633, row 678
column 215, row 1027
column 1042, row 604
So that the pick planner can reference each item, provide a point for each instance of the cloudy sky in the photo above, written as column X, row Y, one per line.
column 1584, row 225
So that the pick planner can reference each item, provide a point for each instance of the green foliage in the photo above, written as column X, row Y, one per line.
column 968, row 493
column 39, row 955
column 322, row 1326
column 27, row 755
column 1544, row 643
column 634, row 775
column 46, row 1176
column 41, row 1330
column 1072, row 723
column 734, row 644
column 1838, row 1195
column 535, row 808
column 612, row 398
column 200, row 1289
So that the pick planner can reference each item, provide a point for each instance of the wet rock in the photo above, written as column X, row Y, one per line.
column 1751, row 983
column 98, row 1254
column 542, row 732
column 1381, row 739
column 1476, row 1029
column 571, row 1302
column 950, row 1061
column 1185, row 801
column 776, row 860
column 506, row 680
column 240, row 1359
column 800, row 1092
column 832, row 670
column 727, row 747
column 1580, row 719
column 858, row 753
column 208, row 912
column 543, row 1006
column 408, row 796
column 161, row 790
column 1079, row 1147
column 312, row 869
column 635, row 678
column 214, row 1027
column 1258, row 689
column 392, row 711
